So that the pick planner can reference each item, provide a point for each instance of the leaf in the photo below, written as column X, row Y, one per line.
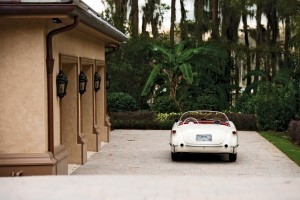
column 151, row 79
column 179, row 48
column 162, row 50
column 186, row 70
column 253, row 86
column 283, row 76
column 212, row 52
column 255, row 73
column 185, row 55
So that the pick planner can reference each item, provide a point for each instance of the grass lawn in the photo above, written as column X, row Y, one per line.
column 283, row 142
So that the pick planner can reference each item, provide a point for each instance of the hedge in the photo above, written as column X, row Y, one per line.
column 243, row 122
column 158, row 121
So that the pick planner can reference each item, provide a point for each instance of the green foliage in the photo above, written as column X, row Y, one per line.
column 139, row 120
column 204, row 102
column 173, row 64
column 165, row 121
column 246, row 104
column 191, row 72
column 164, row 104
column 129, row 67
column 201, row 77
column 168, row 116
column 212, row 79
column 245, row 122
column 119, row 101
column 275, row 106
column 275, row 102
column 284, row 144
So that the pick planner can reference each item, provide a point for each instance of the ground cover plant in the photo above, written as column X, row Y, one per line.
column 284, row 143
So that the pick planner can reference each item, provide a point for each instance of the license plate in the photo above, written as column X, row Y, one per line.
column 204, row 137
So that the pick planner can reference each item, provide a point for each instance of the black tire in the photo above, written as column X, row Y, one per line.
column 232, row 157
column 174, row 156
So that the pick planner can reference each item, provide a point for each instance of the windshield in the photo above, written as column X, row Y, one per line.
column 203, row 115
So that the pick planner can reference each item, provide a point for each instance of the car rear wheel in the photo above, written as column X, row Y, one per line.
column 174, row 156
column 232, row 157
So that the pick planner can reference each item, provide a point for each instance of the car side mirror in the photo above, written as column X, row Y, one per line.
column 176, row 120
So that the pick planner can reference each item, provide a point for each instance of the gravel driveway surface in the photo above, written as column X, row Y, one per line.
column 136, row 165
column 147, row 152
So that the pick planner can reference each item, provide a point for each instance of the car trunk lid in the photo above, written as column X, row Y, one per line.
column 199, row 134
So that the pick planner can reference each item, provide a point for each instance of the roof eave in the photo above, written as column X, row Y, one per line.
column 86, row 15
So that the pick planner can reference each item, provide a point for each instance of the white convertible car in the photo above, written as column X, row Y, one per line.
column 204, row 131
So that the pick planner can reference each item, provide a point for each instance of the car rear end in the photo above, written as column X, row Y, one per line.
column 203, row 138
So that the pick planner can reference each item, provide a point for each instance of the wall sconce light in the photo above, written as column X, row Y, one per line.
column 97, row 81
column 108, row 80
column 61, row 84
column 82, row 83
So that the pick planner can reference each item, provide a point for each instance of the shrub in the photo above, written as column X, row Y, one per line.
column 206, row 102
column 246, row 104
column 119, row 101
column 297, row 141
column 294, row 131
column 133, row 120
column 245, row 122
column 275, row 107
column 164, row 104
column 168, row 116
column 164, row 121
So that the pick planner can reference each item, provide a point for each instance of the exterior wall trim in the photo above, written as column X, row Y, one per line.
column 27, row 164
column 27, row 159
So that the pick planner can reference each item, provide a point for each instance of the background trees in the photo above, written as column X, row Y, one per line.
column 259, row 35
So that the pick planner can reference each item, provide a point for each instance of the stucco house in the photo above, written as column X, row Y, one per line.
column 45, row 47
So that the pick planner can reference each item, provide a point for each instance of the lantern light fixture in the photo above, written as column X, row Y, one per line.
column 61, row 84
column 108, row 80
column 82, row 83
column 97, row 81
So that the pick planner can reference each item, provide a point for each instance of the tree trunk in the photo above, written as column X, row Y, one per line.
column 215, row 19
column 199, row 15
column 183, row 27
column 154, row 26
column 287, row 37
column 173, row 18
column 134, row 18
column 258, row 40
column 248, row 58
column 144, row 25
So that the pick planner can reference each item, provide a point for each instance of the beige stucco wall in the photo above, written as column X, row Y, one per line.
column 74, row 43
column 23, row 116
column 102, row 103
column 23, row 80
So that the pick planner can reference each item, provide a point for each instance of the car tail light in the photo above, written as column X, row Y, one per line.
column 173, row 131
column 234, row 132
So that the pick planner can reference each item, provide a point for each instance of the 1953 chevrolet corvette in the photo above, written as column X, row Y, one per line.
column 204, row 131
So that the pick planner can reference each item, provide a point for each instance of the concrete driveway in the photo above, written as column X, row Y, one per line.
column 147, row 152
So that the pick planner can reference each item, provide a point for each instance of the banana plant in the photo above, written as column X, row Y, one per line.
column 174, row 66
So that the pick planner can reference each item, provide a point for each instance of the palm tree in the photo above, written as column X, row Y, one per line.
column 246, row 37
column 183, row 23
column 134, row 16
column 199, row 19
column 215, row 19
column 120, row 14
column 173, row 18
